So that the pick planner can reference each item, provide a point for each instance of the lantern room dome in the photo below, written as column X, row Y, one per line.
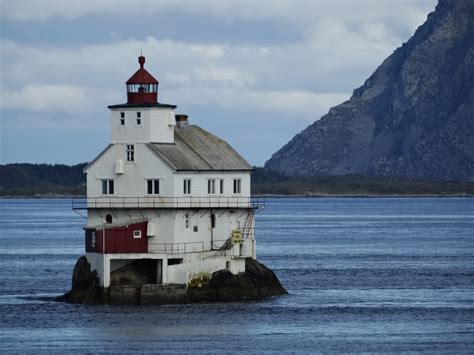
column 142, row 76
column 142, row 87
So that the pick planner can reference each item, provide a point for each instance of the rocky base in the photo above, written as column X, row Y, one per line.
column 256, row 283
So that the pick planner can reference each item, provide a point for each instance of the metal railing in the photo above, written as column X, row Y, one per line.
column 168, row 202
column 188, row 247
column 217, row 244
column 176, row 248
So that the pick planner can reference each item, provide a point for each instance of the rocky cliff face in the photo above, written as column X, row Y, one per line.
column 413, row 118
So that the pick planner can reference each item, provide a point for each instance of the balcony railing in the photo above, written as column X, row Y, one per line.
column 161, row 202
column 177, row 248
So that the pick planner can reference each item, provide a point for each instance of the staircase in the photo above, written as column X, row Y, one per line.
column 247, row 233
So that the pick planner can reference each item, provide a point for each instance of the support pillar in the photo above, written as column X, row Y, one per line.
column 104, row 270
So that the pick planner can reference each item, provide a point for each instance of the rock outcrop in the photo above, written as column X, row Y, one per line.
column 413, row 117
column 256, row 283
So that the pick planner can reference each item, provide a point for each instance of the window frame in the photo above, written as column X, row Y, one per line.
column 237, row 186
column 211, row 186
column 107, row 186
column 130, row 150
column 153, row 185
column 187, row 187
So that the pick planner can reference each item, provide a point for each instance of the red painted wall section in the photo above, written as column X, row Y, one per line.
column 118, row 239
column 142, row 97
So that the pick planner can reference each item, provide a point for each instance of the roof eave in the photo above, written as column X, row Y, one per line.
column 126, row 105
column 96, row 158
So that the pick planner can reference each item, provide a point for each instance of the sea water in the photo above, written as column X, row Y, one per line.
column 363, row 275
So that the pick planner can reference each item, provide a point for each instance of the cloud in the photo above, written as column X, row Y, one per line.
column 287, row 105
column 45, row 98
column 402, row 12
column 302, row 79
column 52, row 98
column 277, row 83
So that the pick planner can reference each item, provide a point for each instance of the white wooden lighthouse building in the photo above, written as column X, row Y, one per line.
column 167, row 201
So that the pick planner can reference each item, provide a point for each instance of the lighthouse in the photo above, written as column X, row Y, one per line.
column 167, row 201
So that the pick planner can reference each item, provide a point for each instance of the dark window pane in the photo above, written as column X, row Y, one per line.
column 111, row 187
column 104, row 187
column 150, row 187
column 157, row 186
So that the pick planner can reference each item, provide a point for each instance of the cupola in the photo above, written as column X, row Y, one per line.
column 142, row 87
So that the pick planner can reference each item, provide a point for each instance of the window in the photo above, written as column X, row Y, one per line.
column 122, row 121
column 93, row 239
column 139, row 114
column 153, row 187
column 237, row 186
column 187, row 186
column 122, row 114
column 195, row 228
column 139, row 121
column 213, row 220
column 130, row 152
column 221, row 186
column 211, row 186
column 186, row 220
column 107, row 187
column 137, row 234
column 175, row 261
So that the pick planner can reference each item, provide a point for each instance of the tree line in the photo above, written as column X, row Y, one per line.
column 50, row 180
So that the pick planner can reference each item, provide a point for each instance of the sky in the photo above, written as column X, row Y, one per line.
column 255, row 73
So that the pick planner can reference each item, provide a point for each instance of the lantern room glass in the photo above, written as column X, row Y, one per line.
column 147, row 88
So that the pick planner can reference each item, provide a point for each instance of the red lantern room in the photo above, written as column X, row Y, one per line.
column 142, row 87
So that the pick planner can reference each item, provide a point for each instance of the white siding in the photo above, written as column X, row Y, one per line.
column 157, row 125
column 162, row 124
column 132, row 183
column 171, row 228
column 199, row 183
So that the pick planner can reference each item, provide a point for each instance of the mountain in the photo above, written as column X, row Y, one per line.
column 413, row 117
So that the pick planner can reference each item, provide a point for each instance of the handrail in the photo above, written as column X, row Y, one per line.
column 217, row 244
column 177, row 248
column 168, row 202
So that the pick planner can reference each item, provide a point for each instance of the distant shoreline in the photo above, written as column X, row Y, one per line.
column 63, row 182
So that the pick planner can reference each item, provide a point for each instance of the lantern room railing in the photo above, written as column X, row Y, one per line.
column 160, row 202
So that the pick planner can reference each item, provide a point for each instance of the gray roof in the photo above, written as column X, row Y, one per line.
column 195, row 149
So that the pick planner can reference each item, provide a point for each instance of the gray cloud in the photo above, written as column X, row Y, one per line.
column 275, row 84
